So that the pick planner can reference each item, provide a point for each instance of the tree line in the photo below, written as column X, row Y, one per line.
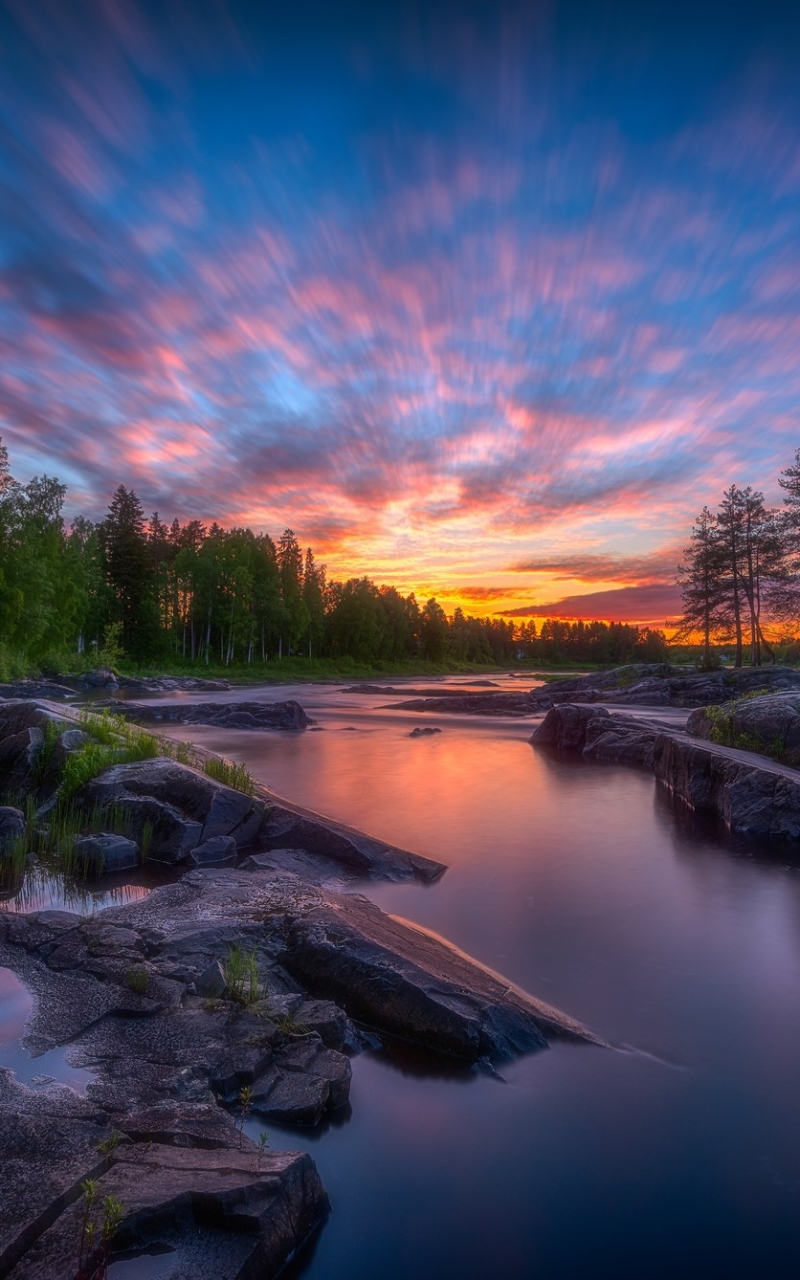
column 136, row 587
column 742, row 568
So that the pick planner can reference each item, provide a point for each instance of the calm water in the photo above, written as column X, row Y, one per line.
column 675, row 1155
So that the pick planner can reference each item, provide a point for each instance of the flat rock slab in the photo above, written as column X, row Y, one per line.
column 233, row 1213
column 472, row 704
column 382, row 971
column 657, row 684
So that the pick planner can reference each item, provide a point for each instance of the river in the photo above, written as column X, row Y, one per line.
column 674, row 1154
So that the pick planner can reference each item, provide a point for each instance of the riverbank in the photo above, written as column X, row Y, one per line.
column 266, row 980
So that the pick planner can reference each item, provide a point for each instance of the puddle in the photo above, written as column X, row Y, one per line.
column 42, row 890
column 156, row 1263
column 16, row 1007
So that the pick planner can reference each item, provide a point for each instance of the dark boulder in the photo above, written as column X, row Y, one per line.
column 565, row 727
column 219, row 851
column 222, row 715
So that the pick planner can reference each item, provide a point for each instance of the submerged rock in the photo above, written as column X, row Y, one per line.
column 103, row 854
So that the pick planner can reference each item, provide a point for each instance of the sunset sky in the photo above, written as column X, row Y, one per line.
column 483, row 301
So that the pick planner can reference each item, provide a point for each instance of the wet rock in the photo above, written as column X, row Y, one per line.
column 222, row 715
column 423, row 731
column 216, row 852
column 103, row 854
column 304, row 1081
column 47, row 689
column 12, row 826
column 406, row 982
column 288, row 826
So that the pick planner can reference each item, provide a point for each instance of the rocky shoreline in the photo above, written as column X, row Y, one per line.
column 230, row 997
column 639, row 684
column 752, row 795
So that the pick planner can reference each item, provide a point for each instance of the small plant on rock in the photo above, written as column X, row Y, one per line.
column 240, row 968
column 245, row 1103
column 136, row 980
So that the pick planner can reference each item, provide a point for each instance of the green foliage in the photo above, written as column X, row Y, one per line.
column 136, row 980
column 232, row 775
column 724, row 732
column 240, row 968
column 113, row 741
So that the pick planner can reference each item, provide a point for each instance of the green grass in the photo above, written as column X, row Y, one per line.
column 725, row 734
column 232, row 775
column 240, row 968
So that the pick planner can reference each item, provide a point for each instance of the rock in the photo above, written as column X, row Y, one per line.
column 471, row 704
column 12, row 826
column 229, row 1212
column 19, row 756
column 304, row 1081
column 218, row 851
column 564, row 727
column 100, row 678
column 103, row 854
column 406, row 982
column 288, row 825
column 753, row 797
column 222, row 715
column 182, row 807
column 212, row 984
column 423, row 732
column 341, row 948
column 48, row 689
column 659, row 684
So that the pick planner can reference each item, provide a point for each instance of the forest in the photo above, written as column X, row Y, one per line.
column 137, row 590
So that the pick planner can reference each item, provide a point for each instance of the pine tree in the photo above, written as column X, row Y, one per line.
column 700, row 576
column 129, row 570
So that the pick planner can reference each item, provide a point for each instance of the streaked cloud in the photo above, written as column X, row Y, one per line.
column 459, row 295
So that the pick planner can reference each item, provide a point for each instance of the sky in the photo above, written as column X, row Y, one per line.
column 483, row 301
